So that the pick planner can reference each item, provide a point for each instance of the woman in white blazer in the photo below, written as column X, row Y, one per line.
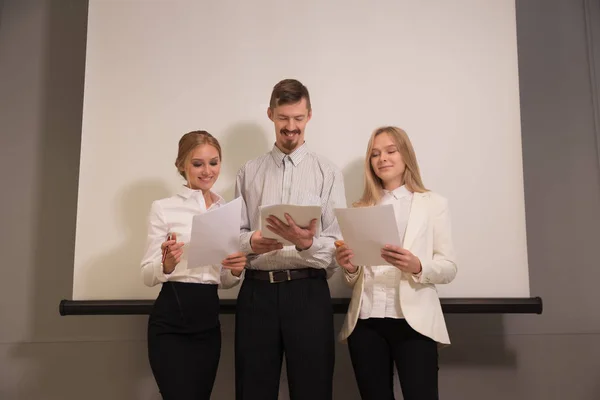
column 184, row 333
column 395, row 316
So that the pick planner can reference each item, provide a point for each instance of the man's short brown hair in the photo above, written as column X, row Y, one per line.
column 289, row 91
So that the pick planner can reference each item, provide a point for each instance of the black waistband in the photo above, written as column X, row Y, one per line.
column 283, row 275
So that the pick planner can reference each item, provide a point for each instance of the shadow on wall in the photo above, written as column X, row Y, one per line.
column 241, row 142
column 75, row 350
column 354, row 180
column 353, row 185
column 133, row 206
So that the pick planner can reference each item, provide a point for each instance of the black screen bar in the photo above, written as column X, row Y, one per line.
column 525, row 305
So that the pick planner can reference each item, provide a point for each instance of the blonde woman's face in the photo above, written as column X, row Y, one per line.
column 387, row 161
column 203, row 167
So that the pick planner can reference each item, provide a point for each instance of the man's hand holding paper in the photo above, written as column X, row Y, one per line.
column 291, row 224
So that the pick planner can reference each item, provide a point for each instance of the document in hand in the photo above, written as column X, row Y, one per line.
column 215, row 234
column 366, row 230
column 302, row 215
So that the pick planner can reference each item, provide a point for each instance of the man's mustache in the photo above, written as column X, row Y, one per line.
column 285, row 131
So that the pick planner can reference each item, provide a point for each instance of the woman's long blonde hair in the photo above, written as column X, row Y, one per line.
column 412, row 177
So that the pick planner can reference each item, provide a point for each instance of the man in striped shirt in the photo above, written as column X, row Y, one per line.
column 284, row 304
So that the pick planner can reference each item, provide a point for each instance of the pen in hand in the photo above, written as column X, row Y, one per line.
column 170, row 236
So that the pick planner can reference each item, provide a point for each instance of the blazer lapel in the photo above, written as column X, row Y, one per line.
column 416, row 218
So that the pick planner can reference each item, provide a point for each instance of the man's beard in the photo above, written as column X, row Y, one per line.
column 289, row 145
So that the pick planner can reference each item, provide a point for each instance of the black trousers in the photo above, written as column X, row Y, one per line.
column 184, row 340
column 377, row 343
column 294, row 318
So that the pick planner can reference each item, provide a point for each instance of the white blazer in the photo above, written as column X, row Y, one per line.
column 428, row 236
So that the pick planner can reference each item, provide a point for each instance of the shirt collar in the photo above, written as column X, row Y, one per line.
column 296, row 156
column 399, row 192
column 187, row 193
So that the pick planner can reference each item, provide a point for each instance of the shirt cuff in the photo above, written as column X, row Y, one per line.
column 351, row 277
column 312, row 250
column 245, row 246
column 159, row 274
column 236, row 278
column 419, row 277
column 228, row 279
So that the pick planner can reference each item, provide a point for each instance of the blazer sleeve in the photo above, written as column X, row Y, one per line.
column 442, row 267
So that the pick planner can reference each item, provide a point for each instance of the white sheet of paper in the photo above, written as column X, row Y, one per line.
column 366, row 230
column 302, row 215
column 215, row 234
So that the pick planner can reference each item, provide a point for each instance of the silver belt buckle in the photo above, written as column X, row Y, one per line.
column 272, row 279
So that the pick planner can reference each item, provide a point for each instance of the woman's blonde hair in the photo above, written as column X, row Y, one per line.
column 412, row 177
column 188, row 143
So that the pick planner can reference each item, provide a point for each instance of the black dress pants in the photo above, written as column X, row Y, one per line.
column 377, row 343
column 184, row 340
column 292, row 318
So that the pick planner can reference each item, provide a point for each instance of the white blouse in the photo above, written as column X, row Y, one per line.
column 174, row 215
column 380, row 297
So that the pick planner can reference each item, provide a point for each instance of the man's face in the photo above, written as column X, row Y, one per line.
column 290, row 121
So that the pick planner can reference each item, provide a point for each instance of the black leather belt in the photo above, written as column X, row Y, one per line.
column 283, row 275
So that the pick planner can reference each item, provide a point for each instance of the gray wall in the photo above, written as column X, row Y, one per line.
column 45, row 356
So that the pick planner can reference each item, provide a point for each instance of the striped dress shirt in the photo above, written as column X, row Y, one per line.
column 301, row 178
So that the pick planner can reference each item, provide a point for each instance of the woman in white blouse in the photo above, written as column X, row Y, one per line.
column 184, row 333
column 395, row 316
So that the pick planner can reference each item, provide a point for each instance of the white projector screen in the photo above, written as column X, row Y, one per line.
column 446, row 72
